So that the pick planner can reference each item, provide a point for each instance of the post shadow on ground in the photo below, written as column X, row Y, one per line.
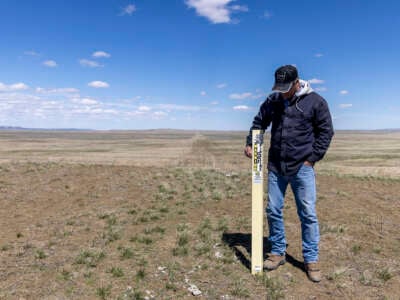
column 237, row 241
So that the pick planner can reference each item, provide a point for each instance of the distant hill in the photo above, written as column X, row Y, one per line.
column 171, row 130
column 41, row 129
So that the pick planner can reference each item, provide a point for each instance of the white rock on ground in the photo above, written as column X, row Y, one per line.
column 194, row 290
column 218, row 254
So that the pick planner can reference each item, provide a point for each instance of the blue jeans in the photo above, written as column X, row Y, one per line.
column 304, row 190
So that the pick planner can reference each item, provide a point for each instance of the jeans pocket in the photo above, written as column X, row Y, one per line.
column 307, row 169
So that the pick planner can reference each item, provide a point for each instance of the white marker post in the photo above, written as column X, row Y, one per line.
column 257, row 207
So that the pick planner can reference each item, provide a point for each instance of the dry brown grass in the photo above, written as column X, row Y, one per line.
column 124, row 215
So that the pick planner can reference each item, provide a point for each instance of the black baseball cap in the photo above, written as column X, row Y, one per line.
column 285, row 76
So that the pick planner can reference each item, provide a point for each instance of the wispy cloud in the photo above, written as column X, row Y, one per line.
column 316, row 81
column 242, row 8
column 101, row 54
column 85, row 101
column 203, row 93
column 343, row 92
column 144, row 108
column 221, row 85
column 318, row 55
column 241, row 107
column 241, row 96
column 56, row 90
column 216, row 11
column 31, row 53
column 50, row 63
column 19, row 108
column 98, row 84
column 345, row 105
column 267, row 15
column 89, row 63
column 128, row 10
column 321, row 89
column 88, row 110
column 159, row 114
column 177, row 107
column 20, row 86
column 214, row 103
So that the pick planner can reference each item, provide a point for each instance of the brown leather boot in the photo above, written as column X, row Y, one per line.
column 313, row 271
column 274, row 261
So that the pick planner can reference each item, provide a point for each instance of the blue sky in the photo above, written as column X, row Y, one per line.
column 193, row 64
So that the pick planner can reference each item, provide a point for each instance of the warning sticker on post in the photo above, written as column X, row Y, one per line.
column 258, row 139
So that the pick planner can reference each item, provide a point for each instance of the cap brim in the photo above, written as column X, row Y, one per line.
column 282, row 87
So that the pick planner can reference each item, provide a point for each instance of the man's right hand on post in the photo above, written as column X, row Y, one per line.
column 248, row 151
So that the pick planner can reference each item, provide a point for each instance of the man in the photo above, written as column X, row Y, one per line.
column 300, row 135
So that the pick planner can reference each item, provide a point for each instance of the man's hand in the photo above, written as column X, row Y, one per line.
column 248, row 151
column 309, row 163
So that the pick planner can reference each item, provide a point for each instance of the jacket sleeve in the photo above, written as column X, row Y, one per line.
column 323, row 131
column 261, row 120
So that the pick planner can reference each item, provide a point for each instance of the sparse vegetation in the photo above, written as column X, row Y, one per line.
column 163, row 217
column 116, row 272
column 222, row 225
column 5, row 247
column 90, row 258
column 274, row 287
column 356, row 249
column 126, row 253
column 239, row 290
column 104, row 292
column 182, row 241
column 140, row 274
column 65, row 275
column 384, row 274
column 40, row 254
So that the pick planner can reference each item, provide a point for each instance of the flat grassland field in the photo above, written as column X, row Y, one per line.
column 136, row 214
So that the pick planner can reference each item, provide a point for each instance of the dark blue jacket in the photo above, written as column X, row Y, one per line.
column 301, row 131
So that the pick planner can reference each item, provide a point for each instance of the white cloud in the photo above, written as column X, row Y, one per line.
column 85, row 101
column 318, row 55
column 345, row 105
column 321, row 89
column 221, row 85
column 98, row 84
column 159, row 114
column 89, row 63
column 258, row 96
column 50, row 63
column 177, row 107
column 316, row 81
column 241, row 107
column 243, row 8
column 203, row 93
column 214, row 103
column 100, row 54
column 144, row 108
column 18, row 86
column 267, row 14
column 31, row 53
column 95, row 111
column 216, row 11
column 56, row 90
column 88, row 101
column 344, row 92
column 13, row 87
column 241, row 96
column 128, row 10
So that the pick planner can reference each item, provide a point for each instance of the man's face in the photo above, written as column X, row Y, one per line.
column 295, row 87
